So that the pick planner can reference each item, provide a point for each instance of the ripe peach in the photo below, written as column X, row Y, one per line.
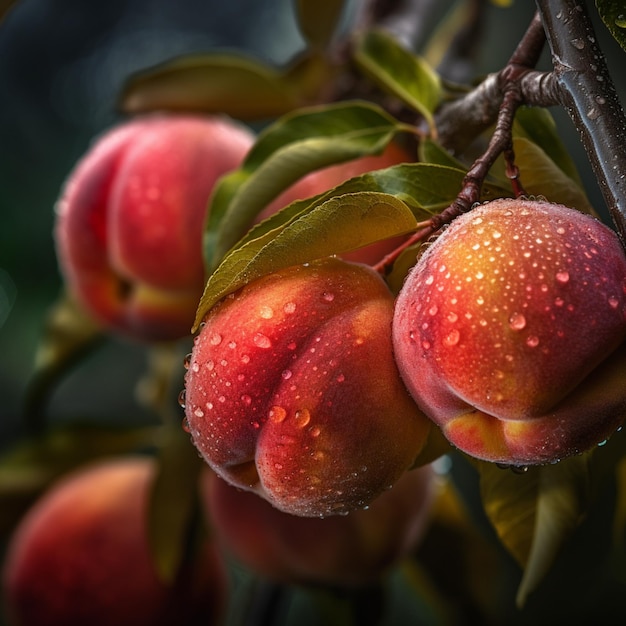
column 342, row 550
column 80, row 556
column 326, row 178
column 130, row 220
column 509, row 332
column 292, row 391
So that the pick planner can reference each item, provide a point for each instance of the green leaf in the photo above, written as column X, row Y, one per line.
column 541, row 177
column 536, row 512
column 318, row 20
column 432, row 152
column 32, row 464
column 241, row 87
column 537, row 125
column 403, row 74
column 287, row 150
column 337, row 225
column 174, row 503
column 613, row 14
column 365, row 209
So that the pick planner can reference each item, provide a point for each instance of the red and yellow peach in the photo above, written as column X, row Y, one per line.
column 341, row 550
column 81, row 556
column 509, row 332
column 292, row 390
column 130, row 220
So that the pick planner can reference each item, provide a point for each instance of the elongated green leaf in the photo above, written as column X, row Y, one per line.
column 536, row 512
column 537, row 125
column 613, row 14
column 287, row 150
column 318, row 20
column 337, row 225
column 241, row 87
column 540, row 176
column 403, row 74
column 173, row 503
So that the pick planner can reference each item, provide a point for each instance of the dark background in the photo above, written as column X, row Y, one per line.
column 62, row 64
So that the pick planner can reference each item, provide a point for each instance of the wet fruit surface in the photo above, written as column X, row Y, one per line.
column 509, row 310
column 292, row 390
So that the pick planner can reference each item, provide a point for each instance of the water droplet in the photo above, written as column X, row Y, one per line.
column 290, row 308
column 262, row 341
column 215, row 339
column 246, row 399
column 328, row 296
column 517, row 321
column 302, row 417
column 277, row 414
column 286, row 374
column 185, row 425
column 579, row 44
column 613, row 302
column 452, row 317
column 340, row 378
column 430, row 280
column 232, row 345
column 245, row 358
column 187, row 361
column 452, row 338
column 532, row 341
column 222, row 399
column 433, row 310
column 620, row 21
column 266, row 312
column 562, row 276
column 315, row 431
column 199, row 412
column 291, row 345
column 181, row 399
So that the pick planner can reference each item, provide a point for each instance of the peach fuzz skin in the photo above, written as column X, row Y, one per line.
column 292, row 391
column 326, row 178
column 509, row 332
column 130, row 220
column 342, row 550
column 81, row 556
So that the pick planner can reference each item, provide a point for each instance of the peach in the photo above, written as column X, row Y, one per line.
column 130, row 221
column 292, row 390
column 342, row 550
column 80, row 556
column 326, row 178
column 509, row 332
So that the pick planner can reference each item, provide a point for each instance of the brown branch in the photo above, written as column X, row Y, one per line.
column 461, row 121
column 587, row 93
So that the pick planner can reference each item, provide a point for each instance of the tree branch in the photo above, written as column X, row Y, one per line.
column 587, row 92
column 461, row 121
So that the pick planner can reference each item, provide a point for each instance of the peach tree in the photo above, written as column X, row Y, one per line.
column 385, row 330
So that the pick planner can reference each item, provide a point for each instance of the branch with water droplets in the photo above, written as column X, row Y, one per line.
column 585, row 89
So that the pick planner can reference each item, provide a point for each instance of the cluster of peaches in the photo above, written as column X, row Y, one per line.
column 317, row 397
